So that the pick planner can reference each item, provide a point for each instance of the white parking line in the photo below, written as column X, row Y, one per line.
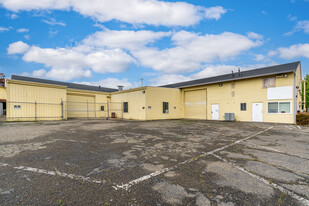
column 271, row 149
column 282, row 189
column 56, row 173
column 146, row 177
column 288, row 127
column 136, row 181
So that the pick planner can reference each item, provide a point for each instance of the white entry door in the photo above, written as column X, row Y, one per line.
column 215, row 111
column 257, row 112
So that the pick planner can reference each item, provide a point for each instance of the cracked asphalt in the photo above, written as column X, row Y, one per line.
column 169, row 162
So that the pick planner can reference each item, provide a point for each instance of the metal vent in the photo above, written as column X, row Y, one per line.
column 229, row 116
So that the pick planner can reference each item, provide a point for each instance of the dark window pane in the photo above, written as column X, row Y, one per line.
column 273, row 107
column 243, row 106
column 165, row 107
column 125, row 107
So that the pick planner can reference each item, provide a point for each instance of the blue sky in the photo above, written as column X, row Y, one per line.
column 118, row 42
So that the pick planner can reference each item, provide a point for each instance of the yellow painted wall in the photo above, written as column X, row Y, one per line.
column 80, row 105
column 136, row 103
column 25, row 94
column 2, row 93
column 144, row 103
column 101, row 100
column 155, row 96
column 246, row 91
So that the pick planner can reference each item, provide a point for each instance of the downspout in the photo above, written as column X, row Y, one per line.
column 295, row 106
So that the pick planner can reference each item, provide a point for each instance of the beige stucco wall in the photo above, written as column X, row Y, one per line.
column 3, row 93
column 136, row 99
column 145, row 103
column 246, row 91
column 25, row 94
column 155, row 96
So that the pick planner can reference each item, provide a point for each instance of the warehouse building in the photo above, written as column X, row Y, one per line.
column 269, row 94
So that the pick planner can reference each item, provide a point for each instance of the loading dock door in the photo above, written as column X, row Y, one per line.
column 195, row 104
column 80, row 106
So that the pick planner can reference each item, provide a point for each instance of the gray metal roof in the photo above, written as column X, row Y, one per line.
column 277, row 69
column 69, row 85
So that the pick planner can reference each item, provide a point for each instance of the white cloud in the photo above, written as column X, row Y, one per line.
column 300, row 26
column 296, row 50
column 60, row 74
column 191, row 51
column 214, row 70
column 272, row 53
column 214, row 12
column 39, row 73
column 114, row 51
column 76, row 62
column 27, row 36
column 259, row 57
column 168, row 79
column 2, row 29
column 111, row 83
column 53, row 22
column 126, row 39
column 51, row 34
column 13, row 16
column 303, row 25
column 152, row 12
column 22, row 30
column 292, row 18
column 17, row 48
column 253, row 35
column 70, row 63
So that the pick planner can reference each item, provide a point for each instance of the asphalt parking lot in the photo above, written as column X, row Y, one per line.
column 170, row 162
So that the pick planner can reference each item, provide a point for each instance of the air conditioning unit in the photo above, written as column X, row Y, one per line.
column 229, row 117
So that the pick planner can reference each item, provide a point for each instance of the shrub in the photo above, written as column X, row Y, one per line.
column 302, row 119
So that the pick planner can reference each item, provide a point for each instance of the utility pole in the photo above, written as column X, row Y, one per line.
column 142, row 81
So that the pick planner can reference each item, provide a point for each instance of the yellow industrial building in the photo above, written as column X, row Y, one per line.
column 269, row 94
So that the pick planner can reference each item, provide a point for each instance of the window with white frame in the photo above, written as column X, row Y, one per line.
column 269, row 82
column 279, row 107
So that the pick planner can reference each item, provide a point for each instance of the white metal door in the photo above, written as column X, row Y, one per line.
column 257, row 112
column 215, row 111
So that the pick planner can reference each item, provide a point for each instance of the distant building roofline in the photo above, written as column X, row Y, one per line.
column 67, row 84
column 264, row 71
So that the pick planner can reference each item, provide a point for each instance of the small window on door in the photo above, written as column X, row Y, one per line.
column 243, row 106
column 165, row 107
column 125, row 107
